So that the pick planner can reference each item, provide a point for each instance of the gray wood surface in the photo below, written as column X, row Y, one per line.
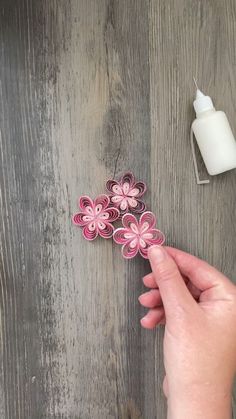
column 89, row 89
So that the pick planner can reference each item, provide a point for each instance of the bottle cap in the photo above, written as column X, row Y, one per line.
column 202, row 103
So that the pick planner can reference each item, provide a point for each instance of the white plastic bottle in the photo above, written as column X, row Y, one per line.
column 214, row 136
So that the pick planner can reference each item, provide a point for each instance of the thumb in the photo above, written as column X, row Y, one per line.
column 173, row 290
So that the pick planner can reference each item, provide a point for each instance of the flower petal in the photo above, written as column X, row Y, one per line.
column 129, row 252
column 140, row 187
column 139, row 208
column 132, row 202
column 157, row 237
column 144, row 252
column 134, row 243
column 142, row 243
column 110, row 184
column 92, row 226
column 133, row 192
column 127, row 219
column 116, row 199
column 126, row 188
column 101, row 202
column 147, row 235
column 111, row 214
column 117, row 190
column 119, row 235
column 128, row 177
column 130, row 235
column 86, row 204
column 134, row 228
column 123, row 204
column 144, row 227
column 101, row 225
column 90, row 234
column 106, row 232
column 98, row 209
column 148, row 218
column 78, row 219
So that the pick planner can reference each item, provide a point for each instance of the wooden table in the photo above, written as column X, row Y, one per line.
column 88, row 90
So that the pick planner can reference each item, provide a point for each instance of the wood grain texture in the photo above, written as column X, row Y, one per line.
column 89, row 89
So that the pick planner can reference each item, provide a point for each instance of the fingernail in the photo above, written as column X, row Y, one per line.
column 143, row 321
column 157, row 252
column 146, row 317
column 141, row 297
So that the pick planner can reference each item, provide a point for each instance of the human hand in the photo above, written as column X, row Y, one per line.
column 198, row 305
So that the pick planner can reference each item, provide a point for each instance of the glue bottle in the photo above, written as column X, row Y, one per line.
column 214, row 137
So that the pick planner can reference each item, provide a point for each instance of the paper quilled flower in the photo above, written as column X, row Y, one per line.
column 137, row 236
column 125, row 194
column 96, row 217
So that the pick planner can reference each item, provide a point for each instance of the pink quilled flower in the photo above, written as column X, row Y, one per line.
column 138, row 236
column 95, row 217
column 125, row 194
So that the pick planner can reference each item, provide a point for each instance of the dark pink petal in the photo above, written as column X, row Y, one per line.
column 78, row 219
column 128, row 178
column 144, row 252
column 123, row 235
column 110, row 184
column 90, row 234
column 129, row 219
column 154, row 236
column 147, row 220
column 106, row 232
column 140, row 187
column 140, row 207
column 101, row 203
column 111, row 214
column 85, row 202
column 129, row 250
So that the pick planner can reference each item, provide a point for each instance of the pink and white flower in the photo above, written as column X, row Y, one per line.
column 138, row 236
column 95, row 217
column 125, row 194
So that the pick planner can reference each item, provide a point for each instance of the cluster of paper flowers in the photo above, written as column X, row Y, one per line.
column 124, row 198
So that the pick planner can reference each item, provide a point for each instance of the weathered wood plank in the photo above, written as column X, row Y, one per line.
column 89, row 89
column 191, row 39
